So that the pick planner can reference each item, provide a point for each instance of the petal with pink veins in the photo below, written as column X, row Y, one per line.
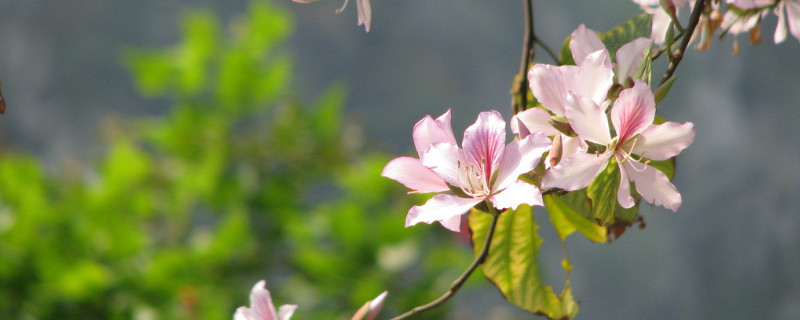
column 653, row 185
column 664, row 141
column 576, row 171
column 517, row 193
column 588, row 119
column 633, row 111
column 484, row 141
column 584, row 41
column 442, row 207
column 519, row 157
column 412, row 174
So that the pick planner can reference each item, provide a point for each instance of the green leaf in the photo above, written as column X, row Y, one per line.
column 566, row 215
column 636, row 27
column 201, row 32
column 666, row 166
column 512, row 264
column 566, row 53
column 603, row 193
column 644, row 71
column 662, row 90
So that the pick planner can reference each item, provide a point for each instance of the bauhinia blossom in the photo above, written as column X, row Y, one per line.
column 591, row 78
column 751, row 12
column 261, row 307
column 410, row 171
column 483, row 169
column 662, row 11
column 362, row 6
column 637, row 142
column 370, row 309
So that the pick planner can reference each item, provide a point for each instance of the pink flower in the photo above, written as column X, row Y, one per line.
column 637, row 139
column 410, row 171
column 591, row 78
column 662, row 12
column 370, row 310
column 261, row 307
column 484, row 169
column 362, row 6
column 791, row 16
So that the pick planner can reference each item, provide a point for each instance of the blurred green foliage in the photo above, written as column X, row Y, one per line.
column 239, row 182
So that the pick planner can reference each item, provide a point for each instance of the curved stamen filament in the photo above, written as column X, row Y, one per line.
column 470, row 180
column 630, row 155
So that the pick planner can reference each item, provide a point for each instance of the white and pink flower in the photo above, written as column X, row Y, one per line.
column 261, row 307
column 483, row 169
column 638, row 141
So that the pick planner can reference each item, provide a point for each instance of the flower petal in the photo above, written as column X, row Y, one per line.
column 576, row 171
column 534, row 120
column 444, row 159
column 549, row 85
column 594, row 77
column 517, row 193
column 584, row 41
column 442, row 207
column 520, row 156
column 484, row 141
column 588, row 119
column 412, row 174
column 261, row 307
column 661, row 21
column 664, row 141
column 624, row 192
column 780, row 29
column 633, row 111
column 793, row 17
column 364, row 13
column 654, row 186
column 629, row 56
column 428, row 132
column 286, row 311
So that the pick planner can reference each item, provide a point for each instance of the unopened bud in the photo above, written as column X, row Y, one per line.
column 755, row 34
column 556, row 150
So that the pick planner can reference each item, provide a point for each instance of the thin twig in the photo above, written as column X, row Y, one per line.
column 687, row 36
column 521, row 87
column 547, row 49
column 464, row 276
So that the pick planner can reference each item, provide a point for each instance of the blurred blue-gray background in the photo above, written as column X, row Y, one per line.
column 731, row 252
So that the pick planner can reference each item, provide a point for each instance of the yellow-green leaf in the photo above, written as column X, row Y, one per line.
column 569, row 212
column 603, row 193
column 512, row 263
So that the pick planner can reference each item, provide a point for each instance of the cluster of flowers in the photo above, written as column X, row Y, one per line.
column 572, row 127
column 261, row 307
column 740, row 16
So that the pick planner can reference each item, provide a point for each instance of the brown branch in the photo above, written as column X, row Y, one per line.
column 519, row 101
column 699, row 6
column 464, row 276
